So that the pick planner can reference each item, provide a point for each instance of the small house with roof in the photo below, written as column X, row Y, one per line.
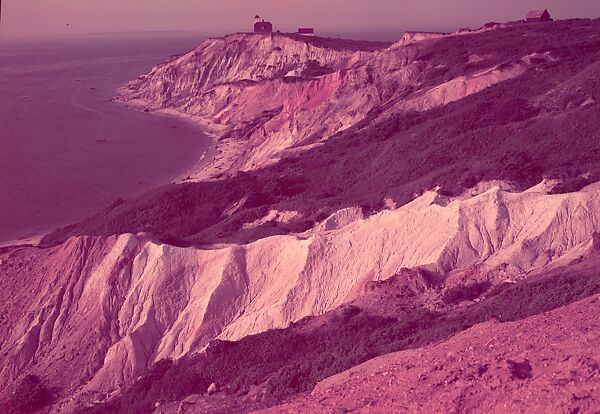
column 306, row 31
column 538, row 16
column 262, row 26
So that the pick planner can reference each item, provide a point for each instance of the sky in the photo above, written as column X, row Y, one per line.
column 31, row 18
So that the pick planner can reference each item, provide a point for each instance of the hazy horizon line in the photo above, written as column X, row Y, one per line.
column 357, row 34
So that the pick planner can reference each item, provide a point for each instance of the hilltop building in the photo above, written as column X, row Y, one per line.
column 262, row 26
column 538, row 16
column 306, row 31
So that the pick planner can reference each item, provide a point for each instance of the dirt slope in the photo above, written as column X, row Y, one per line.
column 545, row 364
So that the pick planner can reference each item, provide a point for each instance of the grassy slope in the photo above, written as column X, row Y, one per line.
column 520, row 130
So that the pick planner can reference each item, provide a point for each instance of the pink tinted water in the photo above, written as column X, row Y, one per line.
column 65, row 151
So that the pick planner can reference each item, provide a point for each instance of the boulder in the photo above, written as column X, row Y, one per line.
column 212, row 389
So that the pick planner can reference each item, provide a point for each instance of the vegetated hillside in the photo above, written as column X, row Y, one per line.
column 96, row 312
column 543, row 364
column 543, row 123
column 264, row 369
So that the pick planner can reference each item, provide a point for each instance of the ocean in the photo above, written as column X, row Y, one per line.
column 66, row 151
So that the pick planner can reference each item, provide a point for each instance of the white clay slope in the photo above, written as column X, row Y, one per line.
column 100, row 310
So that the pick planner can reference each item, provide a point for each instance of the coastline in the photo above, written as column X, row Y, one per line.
column 215, row 162
column 194, row 173
column 201, row 169
column 30, row 241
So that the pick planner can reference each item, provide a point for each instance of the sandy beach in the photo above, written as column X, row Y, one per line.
column 216, row 161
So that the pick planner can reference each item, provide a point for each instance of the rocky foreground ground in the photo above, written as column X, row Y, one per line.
column 545, row 364
column 548, row 363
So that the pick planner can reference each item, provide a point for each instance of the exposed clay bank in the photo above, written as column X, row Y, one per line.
column 68, row 152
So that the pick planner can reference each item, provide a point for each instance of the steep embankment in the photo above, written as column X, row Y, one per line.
column 95, row 312
column 264, row 94
column 542, row 364
column 112, row 295
column 387, row 316
column 272, row 91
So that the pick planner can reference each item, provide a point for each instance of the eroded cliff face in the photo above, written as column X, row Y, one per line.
column 97, row 311
column 276, row 92
column 271, row 90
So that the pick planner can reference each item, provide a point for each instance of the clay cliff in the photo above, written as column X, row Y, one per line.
column 370, row 198
column 102, row 310
column 264, row 94
column 272, row 91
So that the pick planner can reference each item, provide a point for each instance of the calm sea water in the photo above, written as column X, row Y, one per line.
column 65, row 151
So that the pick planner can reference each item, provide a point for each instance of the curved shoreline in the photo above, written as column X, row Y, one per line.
column 217, row 160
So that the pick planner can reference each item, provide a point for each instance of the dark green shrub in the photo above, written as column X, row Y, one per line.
column 465, row 292
column 31, row 395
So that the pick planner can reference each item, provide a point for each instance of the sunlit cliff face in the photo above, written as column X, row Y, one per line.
column 277, row 92
column 130, row 302
column 178, row 271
